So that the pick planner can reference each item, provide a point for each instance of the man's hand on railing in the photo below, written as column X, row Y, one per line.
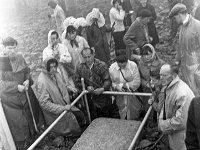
column 67, row 107
column 98, row 91
column 90, row 88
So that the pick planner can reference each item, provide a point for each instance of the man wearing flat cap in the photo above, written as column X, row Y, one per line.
column 188, row 55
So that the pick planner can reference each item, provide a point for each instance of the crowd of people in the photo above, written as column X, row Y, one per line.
column 78, row 49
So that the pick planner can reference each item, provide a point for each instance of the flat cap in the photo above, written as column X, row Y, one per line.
column 178, row 8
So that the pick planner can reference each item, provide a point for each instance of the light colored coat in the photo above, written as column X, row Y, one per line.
column 127, row 105
column 52, row 98
column 117, row 17
column 178, row 98
column 189, row 53
column 60, row 52
column 74, row 51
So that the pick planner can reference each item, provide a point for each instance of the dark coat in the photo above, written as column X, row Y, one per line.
column 151, row 25
column 193, row 125
column 97, row 38
column 15, row 103
column 134, row 38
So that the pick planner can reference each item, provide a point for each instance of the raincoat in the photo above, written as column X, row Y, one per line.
column 189, row 53
column 52, row 97
column 14, row 71
column 75, row 51
column 177, row 101
column 62, row 54
column 129, row 106
column 146, row 67
column 96, row 36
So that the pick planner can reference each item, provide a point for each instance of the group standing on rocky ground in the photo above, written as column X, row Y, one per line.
column 79, row 48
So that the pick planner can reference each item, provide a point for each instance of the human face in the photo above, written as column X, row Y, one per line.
column 54, row 39
column 10, row 50
column 53, row 68
column 88, row 57
column 122, row 65
column 178, row 19
column 116, row 5
column 72, row 35
column 143, row 2
column 166, row 76
column 145, row 20
column 147, row 56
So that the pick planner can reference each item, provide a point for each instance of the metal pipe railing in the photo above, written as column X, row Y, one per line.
column 87, row 107
column 54, row 123
column 140, row 129
column 127, row 93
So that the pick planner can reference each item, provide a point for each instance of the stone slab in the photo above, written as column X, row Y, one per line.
column 107, row 134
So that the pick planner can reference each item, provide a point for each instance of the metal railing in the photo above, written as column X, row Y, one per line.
column 83, row 93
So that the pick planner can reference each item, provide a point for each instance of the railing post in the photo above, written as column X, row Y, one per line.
column 140, row 129
column 85, row 98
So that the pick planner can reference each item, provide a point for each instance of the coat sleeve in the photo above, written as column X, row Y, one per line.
column 45, row 101
column 105, row 77
column 154, row 16
column 191, row 129
column 89, row 32
column 178, row 121
column 135, row 83
column 130, row 37
column 78, row 79
column 64, row 54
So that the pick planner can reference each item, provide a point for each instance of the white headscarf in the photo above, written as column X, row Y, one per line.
column 95, row 14
column 69, row 21
column 80, row 22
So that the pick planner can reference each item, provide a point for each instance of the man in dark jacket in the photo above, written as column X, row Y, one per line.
column 193, row 125
column 137, row 35
column 97, row 80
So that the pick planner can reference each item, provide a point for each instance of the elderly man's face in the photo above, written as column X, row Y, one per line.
column 88, row 57
column 166, row 76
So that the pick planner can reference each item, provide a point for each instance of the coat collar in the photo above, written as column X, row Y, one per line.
column 174, row 81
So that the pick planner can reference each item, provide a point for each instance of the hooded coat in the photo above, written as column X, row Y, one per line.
column 75, row 51
column 61, row 52
column 53, row 97
column 96, row 36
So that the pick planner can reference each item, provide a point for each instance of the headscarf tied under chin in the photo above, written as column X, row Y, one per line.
column 153, row 56
column 49, row 39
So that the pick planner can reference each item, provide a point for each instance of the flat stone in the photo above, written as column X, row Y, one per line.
column 107, row 134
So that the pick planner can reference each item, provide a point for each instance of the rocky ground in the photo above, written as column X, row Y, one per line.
column 29, row 24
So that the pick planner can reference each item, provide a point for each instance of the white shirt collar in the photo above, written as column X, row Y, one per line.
column 186, row 19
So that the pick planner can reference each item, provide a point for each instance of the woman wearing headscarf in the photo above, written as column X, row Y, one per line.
column 117, row 15
column 146, row 4
column 126, row 78
column 67, row 22
column 75, row 45
column 96, row 35
column 15, row 81
column 149, row 66
column 61, row 53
